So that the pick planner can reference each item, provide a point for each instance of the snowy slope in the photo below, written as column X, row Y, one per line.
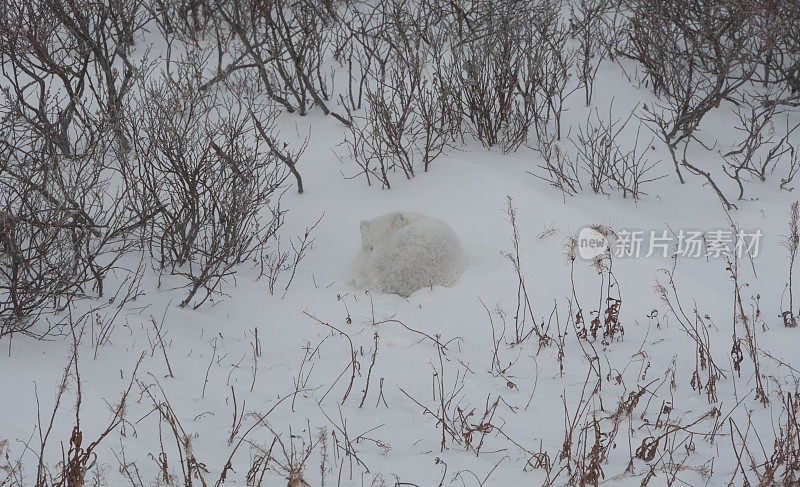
column 292, row 383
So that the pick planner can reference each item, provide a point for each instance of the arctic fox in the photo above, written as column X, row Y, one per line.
column 404, row 251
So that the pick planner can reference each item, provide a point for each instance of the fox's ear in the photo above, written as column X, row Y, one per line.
column 364, row 225
column 399, row 220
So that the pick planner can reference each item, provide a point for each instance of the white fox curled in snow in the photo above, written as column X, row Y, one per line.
column 402, row 252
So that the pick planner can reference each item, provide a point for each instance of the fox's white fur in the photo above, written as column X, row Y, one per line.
column 405, row 251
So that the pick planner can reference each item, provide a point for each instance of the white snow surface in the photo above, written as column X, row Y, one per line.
column 302, row 344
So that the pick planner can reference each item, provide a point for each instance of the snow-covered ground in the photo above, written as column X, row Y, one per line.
column 349, row 387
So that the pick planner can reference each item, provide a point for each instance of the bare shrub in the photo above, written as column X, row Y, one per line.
column 50, row 254
column 592, row 23
column 764, row 142
column 71, row 64
column 215, row 184
column 68, row 71
column 286, row 43
column 406, row 126
column 511, row 68
column 692, row 54
column 463, row 425
column 784, row 462
column 363, row 46
column 598, row 159
column 558, row 168
column 779, row 25
column 791, row 242
column 61, row 233
column 608, row 166
column 410, row 118
column 706, row 372
column 188, row 19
